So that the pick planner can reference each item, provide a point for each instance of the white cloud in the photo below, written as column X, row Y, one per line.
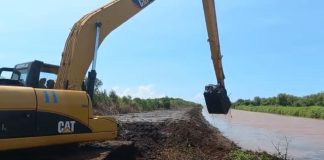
column 143, row 91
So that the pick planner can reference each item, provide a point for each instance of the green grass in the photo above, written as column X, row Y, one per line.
column 248, row 155
column 308, row 112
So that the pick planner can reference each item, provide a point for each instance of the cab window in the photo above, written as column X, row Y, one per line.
column 47, row 80
column 9, row 75
column 6, row 75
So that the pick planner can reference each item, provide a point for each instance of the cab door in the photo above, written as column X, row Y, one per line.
column 17, row 112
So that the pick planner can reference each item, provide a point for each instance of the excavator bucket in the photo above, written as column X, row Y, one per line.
column 216, row 99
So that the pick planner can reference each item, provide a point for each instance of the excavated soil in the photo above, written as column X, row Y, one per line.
column 185, row 136
column 166, row 134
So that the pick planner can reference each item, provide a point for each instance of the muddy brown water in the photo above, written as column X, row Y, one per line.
column 263, row 131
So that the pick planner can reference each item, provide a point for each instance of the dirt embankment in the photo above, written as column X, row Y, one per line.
column 185, row 135
column 166, row 134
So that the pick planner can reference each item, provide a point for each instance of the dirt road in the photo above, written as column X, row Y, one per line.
column 158, row 116
column 165, row 134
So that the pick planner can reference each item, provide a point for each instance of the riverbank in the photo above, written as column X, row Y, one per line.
column 181, row 137
column 177, row 134
column 307, row 112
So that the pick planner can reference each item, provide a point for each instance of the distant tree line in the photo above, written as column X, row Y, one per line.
column 284, row 100
column 106, row 103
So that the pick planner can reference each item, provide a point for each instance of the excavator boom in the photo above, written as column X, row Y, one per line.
column 80, row 46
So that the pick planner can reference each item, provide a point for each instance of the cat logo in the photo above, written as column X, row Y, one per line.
column 65, row 127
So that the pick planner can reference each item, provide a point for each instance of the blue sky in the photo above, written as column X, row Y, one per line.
column 269, row 47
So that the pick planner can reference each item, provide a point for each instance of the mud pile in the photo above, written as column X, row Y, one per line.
column 188, row 138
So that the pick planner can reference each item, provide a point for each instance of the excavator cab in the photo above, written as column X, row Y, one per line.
column 37, row 74
column 34, row 74
column 216, row 99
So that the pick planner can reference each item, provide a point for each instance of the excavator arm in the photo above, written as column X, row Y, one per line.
column 216, row 97
column 213, row 39
column 90, row 31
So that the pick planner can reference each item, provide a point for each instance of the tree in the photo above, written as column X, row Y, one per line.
column 113, row 96
column 257, row 101
column 127, row 99
column 166, row 103
column 98, row 85
column 282, row 99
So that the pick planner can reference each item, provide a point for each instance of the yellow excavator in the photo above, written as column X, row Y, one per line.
column 43, row 104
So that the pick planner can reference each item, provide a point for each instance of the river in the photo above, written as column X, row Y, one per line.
column 266, row 132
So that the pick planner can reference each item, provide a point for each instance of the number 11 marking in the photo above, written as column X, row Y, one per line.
column 47, row 97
